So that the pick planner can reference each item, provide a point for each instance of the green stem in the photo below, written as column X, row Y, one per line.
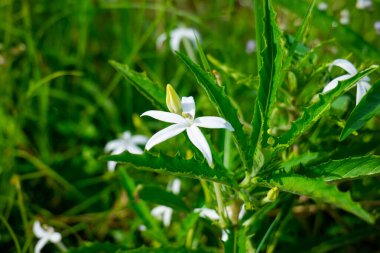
column 219, row 200
column 11, row 232
column 61, row 247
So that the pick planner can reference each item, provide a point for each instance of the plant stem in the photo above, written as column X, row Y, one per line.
column 219, row 200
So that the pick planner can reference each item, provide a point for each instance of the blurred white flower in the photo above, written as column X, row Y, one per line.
column 177, row 35
column 174, row 186
column 345, row 17
column 45, row 234
column 322, row 6
column 250, row 46
column 208, row 213
column 376, row 25
column 183, row 120
column 363, row 4
column 362, row 86
column 126, row 142
column 224, row 235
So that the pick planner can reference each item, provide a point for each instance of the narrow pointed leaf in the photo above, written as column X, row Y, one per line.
column 143, row 84
column 221, row 101
column 319, row 190
column 316, row 110
column 269, row 62
column 174, row 166
column 346, row 169
column 368, row 107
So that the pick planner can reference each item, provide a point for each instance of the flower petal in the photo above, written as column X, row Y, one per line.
column 165, row 116
column 344, row 64
column 111, row 165
column 139, row 139
column 333, row 83
column 199, row 141
column 175, row 186
column 55, row 237
column 113, row 145
column 163, row 213
column 213, row 122
column 126, row 135
column 361, row 90
column 167, row 217
column 207, row 213
column 40, row 244
column 165, row 134
column 38, row 231
column 134, row 149
column 188, row 106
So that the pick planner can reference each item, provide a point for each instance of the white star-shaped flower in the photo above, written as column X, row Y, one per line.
column 183, row 116
column 363, row 4
column 177, row 35
column 362, row 86
column 126, row 142
column 45, row 234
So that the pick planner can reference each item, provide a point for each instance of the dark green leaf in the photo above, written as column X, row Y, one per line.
column 96, row 247
column 368, row 107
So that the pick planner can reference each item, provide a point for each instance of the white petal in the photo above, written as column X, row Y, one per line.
column 333, row 83
column 40, row 244
column 165, row 134
column 361, row 90
column 165, row 116
column 113, row 145
column 224, row 235
column 133, row 149
column 213, row 122
column 199, row 141
column 160, row 40
column 139, row 139
column 174, row 42
column 55, row 237
column 242, row 212
column 163, row 213
column 126, row 135
column 188, row 106
column 175, row 186
column 167, row 217
column 111, row 165
column 344, row 64
column 38, row 230
column 207, row 213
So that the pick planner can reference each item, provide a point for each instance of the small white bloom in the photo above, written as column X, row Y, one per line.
column 126, row 142
column 322, row 6
column 363, row 4
column 45, row 234
column 163, row 213
column 344, row 17
column 376, row 25
column 205, row 212
column 188, row 122
column 177, row 35
column 174, row 186
column 362, row 85
column 250, row 47
column 224, row 235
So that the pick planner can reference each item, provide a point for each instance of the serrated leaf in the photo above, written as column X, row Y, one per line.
column 160, row 196
column 221, row 101
column 316, row 110
column 174, row 166
column 368, row 107
column 345, row 169
column 317, row 189
column 269, row 63
column 143, row 84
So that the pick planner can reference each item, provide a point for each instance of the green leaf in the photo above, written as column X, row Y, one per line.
column 316, row 110
column 174, row 166
column 168, row 250
column 317, row 189
column 143, row 84
column 345, row 169
column 269, row 63
column 96, row 247
column 160, row 196
column 368, row 107
column 221, row 101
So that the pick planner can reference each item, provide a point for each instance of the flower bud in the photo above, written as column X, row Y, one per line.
column 272, row 194
column 172, row 100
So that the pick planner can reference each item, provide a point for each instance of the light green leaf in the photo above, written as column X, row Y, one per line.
column 174, row 166
column 368, row 107
column 316, row 110
column 160, row 196
column 269, row 64
column 221, row 101
column 317, row 189
column 143, row 84
column 345, row 169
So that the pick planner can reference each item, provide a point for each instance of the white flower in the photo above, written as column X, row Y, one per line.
column 344, row 17
column 126, row 142
column 163, row 213
column 322, row 6
column 174, row 186
column 45, row 234
column 186, row 121
column 205, row 212
column 224, row 235
column 363, row 4
column 362, row 85
column 177, row 35
column 376, row 25
column 250, row 47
